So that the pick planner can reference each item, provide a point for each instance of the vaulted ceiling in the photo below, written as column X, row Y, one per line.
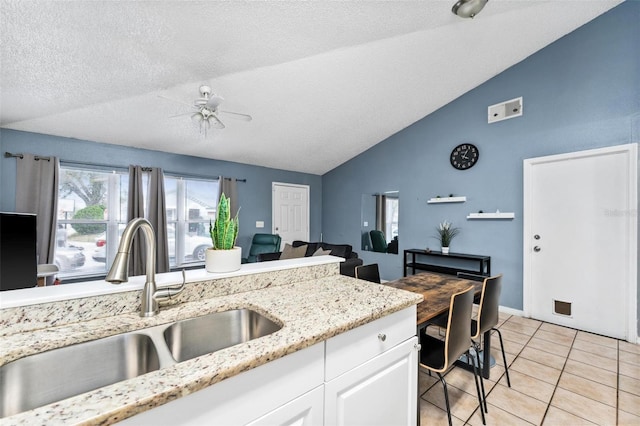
column 323, row 80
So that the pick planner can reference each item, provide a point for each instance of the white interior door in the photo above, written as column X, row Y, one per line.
column 580, row 240
column 290, row 211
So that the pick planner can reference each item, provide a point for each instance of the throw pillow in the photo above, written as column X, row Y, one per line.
column 290, row 252
column 321, row 252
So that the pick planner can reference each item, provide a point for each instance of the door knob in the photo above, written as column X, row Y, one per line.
column 537, row 237
column 536, row 249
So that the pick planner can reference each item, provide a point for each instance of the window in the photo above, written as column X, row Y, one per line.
column 191, row 204
column 92, row 213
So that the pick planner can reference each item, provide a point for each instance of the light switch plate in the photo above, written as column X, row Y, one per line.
column 259, row 224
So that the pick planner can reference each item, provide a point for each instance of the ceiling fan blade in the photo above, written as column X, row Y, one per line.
column 245, row 117
column 181, row 115
column 220, row 123
column 214, row 102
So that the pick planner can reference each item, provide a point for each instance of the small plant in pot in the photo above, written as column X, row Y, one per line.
column 224, row 256
column 446, row 233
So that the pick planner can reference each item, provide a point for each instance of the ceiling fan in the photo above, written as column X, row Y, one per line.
column 207, row 110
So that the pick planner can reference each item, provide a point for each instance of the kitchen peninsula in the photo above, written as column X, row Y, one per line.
column 322, row 313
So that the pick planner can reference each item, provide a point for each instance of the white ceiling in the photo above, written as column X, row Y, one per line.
column 323, row 80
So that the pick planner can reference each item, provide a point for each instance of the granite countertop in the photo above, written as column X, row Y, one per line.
column 309, row 311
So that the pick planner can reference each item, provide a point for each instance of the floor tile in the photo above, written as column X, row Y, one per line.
column 590, row 389
column 536, row 370
column 528, row 322
column 518, row 327
column 432, row 415
column 542, row 391
column 584, row 407
column 518, row 404
column 554, row 338
column 461, row 379
column 543, row 357
column 514, row 336
column 629, row 357
column 593, row 359
column 547, row 346
column 594, row 348
column 629, row 347
column 497, row 416
column 627, row 419
column 629, row 402
column 557, row 417
column 629, row 370
column 510, row 346
column 597, row 339
column 592, row 373
column 425, row 382
column 558, row 329
column 462, row 404
column 629, row 384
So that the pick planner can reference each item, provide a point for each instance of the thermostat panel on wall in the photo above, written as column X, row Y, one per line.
column 505, row 110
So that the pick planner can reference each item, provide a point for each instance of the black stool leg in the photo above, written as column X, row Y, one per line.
column 484, row 395
column 504, row 357
column 446, row 398
column 475, row 378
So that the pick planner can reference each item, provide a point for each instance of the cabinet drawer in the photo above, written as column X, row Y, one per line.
column 354, row 347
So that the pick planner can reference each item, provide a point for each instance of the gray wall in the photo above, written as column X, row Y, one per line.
column 581, row 92
column 254, row 195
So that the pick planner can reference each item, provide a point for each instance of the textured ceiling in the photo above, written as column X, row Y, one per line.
column 323, row 80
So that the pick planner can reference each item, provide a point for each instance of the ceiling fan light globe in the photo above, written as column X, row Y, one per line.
column 468, row 8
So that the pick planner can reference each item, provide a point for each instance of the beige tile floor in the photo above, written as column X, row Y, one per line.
column 559, row 376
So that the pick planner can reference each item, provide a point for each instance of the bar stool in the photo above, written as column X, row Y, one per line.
column 440, row 355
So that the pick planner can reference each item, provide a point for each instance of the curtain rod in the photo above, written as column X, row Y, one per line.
column 146, row 169
column 21, row 156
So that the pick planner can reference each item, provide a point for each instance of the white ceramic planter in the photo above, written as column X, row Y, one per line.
column 445, row 250
column 223, row 260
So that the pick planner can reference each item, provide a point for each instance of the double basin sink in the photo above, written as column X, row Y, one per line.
column 51, row 376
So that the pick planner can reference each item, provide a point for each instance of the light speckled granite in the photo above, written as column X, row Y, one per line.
column 35, row 317
column 310, row 311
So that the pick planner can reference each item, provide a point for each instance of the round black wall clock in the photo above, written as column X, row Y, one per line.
column 464, row 156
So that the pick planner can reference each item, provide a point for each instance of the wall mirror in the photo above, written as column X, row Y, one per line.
column 379, row 222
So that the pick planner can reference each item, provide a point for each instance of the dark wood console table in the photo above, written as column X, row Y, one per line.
column 421, row 263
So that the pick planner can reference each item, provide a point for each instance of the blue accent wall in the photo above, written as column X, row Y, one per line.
column 581, row 92
column 254, row 195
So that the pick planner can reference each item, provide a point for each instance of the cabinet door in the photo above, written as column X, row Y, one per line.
column 382, row 391
column 306, row 410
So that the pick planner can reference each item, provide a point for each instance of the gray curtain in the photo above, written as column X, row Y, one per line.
column 229, row 187
column 157, row 216
column 135, row 209
column 37, row 192
column 381, row 212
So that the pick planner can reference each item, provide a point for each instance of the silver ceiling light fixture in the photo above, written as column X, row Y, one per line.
column 468, row 8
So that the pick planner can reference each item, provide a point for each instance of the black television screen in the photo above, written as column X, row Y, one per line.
column 18, row 259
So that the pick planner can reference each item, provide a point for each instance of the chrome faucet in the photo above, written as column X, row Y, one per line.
column 119, row 269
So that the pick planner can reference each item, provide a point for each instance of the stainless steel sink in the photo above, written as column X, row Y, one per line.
column 40, row 379
column 43, row 378
column 209, row 333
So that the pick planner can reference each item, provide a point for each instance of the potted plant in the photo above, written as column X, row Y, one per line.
column 224, row 256
column 446, row 232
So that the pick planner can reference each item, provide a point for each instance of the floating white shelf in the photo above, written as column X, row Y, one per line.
column 446, row 200
column 506, row 215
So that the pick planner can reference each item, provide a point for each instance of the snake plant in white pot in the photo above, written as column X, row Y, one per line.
column 224, row 256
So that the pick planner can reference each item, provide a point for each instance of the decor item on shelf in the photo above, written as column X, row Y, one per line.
column 446, row 233
column 468, row 8
column 224, row 256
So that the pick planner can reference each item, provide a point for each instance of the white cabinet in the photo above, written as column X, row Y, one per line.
column 306, row 410
column 371, row 373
